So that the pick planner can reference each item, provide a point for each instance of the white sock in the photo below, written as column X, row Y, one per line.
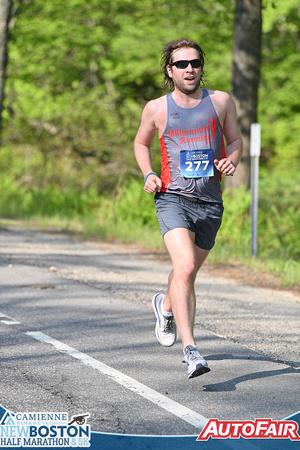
column 165, row 313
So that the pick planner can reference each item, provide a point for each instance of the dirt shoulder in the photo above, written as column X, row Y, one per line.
column 253, row 278
column 235, row 272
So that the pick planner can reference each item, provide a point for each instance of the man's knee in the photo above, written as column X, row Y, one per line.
column 186, row 271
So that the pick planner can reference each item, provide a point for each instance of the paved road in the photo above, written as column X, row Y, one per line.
column 77, row 335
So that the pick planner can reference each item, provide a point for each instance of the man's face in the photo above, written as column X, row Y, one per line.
column 185, row 80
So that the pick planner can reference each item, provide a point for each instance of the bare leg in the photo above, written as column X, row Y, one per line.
column 180, row 298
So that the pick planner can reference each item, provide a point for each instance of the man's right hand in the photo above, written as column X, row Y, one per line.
column 153, row 184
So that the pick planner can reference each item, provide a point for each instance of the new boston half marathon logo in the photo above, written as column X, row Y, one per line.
column 247, row 429
column 44, row 429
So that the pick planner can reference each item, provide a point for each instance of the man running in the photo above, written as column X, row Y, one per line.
column 191, row 122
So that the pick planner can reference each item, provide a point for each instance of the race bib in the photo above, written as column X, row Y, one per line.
column 196, row 163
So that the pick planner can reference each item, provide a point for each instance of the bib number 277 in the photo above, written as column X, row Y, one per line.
column 192, row 166
column 196, row 163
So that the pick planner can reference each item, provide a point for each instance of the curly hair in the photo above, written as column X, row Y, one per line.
column 166, row 59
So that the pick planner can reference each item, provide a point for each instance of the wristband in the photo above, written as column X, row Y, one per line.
column 150, row 173
column 233, row 164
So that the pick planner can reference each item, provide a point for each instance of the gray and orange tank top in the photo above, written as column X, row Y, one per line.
column 192, row 139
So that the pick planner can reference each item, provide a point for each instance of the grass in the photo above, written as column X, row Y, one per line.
column 128, row 215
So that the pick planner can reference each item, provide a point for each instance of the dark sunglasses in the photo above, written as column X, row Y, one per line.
column 184, row 63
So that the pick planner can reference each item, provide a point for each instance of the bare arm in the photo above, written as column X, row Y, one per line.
column 233, row 139
column 142, row 144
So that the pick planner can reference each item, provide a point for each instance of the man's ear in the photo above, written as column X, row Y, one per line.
column 170, row 71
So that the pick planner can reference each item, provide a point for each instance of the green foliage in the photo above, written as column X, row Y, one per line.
column 51, row 201
column 278, row 218
column 279, row 225
column 234, row 231
column 82, row 102
column 279, row 108
column 278, row 228
column 128, row 214
column 80, row 72
column 134, row 206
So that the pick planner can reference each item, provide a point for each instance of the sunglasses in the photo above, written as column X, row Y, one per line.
column 183, row 64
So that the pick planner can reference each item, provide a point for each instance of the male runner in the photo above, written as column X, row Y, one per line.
column 190, row 123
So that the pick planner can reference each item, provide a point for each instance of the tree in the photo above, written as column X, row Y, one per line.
column 70, row 118
column 245, row 78
column 77, row 110
column 5, row 8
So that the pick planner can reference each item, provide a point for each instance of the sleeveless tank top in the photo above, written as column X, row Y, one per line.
column 191, row 129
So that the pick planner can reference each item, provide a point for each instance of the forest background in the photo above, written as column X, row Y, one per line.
column 78, row 76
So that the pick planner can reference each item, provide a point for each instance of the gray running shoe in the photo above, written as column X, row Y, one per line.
column 165, row 328
column 196, row 364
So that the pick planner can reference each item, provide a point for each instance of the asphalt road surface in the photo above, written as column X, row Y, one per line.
column 77, row 335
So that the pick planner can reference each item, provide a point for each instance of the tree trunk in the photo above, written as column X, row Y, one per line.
column 5, row 9
column 245, row 79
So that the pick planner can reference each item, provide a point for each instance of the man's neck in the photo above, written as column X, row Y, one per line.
column 187, row 100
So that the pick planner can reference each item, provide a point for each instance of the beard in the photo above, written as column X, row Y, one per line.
column 187, row 89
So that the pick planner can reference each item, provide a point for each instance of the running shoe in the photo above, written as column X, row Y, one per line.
column 196, row 364
column 165, row 328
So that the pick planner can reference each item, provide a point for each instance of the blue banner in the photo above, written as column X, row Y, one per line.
column 15, row 434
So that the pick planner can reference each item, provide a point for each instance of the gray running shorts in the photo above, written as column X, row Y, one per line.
column 202, row 218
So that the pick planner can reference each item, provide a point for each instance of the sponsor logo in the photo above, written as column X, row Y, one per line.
column 258, row 429
column 44, row 429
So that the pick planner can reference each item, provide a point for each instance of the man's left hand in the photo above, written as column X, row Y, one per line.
column 225, row 166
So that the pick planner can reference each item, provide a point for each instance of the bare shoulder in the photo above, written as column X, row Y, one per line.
column 221, row 98
column 155, row 112
column 156, row 106
column 223, row 103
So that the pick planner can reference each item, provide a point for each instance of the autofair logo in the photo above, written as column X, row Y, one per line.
column 44, row 429
column 258, row 429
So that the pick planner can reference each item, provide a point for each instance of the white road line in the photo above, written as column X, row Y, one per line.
column 169, row 405
column 8, row 320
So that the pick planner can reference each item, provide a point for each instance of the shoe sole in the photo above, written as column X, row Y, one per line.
column 157, row 320
column 200, row 370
